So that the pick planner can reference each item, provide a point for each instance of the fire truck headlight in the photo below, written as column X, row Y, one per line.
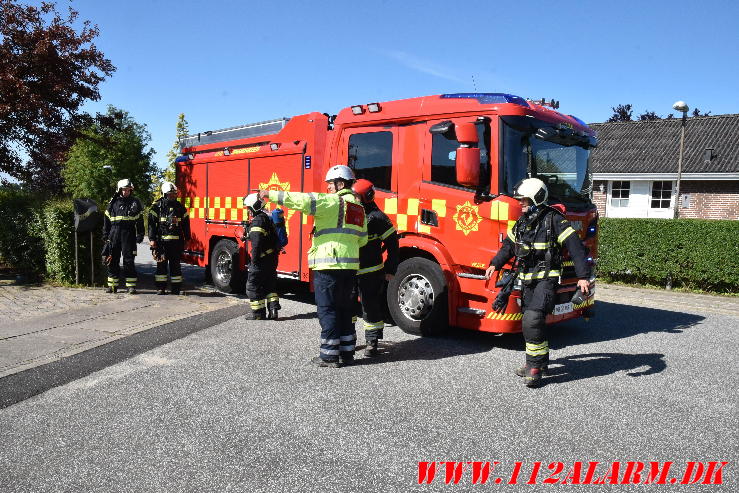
column 373, row 107
column 357, row 110
column 274, row 146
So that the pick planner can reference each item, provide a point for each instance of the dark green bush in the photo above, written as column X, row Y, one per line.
column 21, row 245
column 58, row 231
column 691, row 253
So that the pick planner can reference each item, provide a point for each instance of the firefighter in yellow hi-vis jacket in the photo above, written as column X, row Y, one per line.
column 340, row 230
column 169, row 229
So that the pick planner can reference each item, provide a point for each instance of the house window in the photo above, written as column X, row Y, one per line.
column 620, row 193
column 371, row 157
column 661, row 194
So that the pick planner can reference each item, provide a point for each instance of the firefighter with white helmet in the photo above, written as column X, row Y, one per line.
column 373, row 271
column 261, row 285
column 123, row 228
column 339, row 231
column 169, row 229
column 536, row 242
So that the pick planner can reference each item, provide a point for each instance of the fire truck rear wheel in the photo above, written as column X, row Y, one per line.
column 224, row 267
column 417, row 297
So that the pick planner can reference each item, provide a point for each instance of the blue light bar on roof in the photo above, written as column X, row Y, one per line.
column 488, row 97
column 578, row 120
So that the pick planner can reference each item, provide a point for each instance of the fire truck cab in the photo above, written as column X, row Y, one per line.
column 444, row 168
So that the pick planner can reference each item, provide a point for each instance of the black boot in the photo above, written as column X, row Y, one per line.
column 161, row 292
column 256, row 314
column 132, row 291
column 318, row 361
column 531, row 376
column 111, row 290
column 371, row 349
column 272, row 308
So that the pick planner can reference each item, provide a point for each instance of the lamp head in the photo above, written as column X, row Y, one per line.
column 681, row 106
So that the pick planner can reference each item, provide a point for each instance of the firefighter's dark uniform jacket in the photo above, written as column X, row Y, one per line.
column 262, row 281
column 381, row 236
column 537, row 240
column 169, row 226
column 123, row 227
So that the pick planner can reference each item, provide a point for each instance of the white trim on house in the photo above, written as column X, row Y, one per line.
column 666, row 176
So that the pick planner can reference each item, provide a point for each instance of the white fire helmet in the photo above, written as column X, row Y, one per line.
column 252, row 202
column 125, row 183
column 532, row 188
column 340, row 172
column 167, row 187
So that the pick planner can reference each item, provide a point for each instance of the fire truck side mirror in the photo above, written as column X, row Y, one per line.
column 468, row 155
column 468, row 166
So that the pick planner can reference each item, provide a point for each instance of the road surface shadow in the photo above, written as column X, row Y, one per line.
column 617, row 321
column 581, row 366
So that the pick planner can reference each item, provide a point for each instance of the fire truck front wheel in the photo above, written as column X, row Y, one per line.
column 417, row 297
column 224, row 267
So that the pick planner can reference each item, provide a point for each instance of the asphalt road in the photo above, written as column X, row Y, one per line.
column 237, row 407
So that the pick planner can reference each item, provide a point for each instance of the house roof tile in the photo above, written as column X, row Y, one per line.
column 652, row 146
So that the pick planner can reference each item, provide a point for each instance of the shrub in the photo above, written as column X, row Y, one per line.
column 692, row 253
column 21, row 245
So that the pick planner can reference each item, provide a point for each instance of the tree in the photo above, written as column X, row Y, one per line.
column 114, row 139
column 181, row 131
column 621, row 113
column 47, row 71
column 649, row 115
column 697, row 112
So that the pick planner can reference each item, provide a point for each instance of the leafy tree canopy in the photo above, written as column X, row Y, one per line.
column 48, row 69
column 621, row 113
column 113, row 147
column 181, row 131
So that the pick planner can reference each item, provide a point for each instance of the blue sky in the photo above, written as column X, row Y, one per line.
column 225, row 63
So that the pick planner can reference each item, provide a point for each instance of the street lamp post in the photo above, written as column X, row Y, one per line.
column 680, row 106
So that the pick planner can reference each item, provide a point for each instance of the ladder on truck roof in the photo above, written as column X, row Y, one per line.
column 258, row 129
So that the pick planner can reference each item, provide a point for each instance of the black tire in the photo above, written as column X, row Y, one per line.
column 417, row 298
column 224, row 267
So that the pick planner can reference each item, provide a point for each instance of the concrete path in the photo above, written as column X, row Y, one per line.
column 42, row 324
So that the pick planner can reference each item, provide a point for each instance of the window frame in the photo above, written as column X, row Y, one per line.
column 620, row 198
column 669, row 191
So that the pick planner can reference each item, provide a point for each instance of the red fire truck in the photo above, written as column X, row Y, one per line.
column 444, row 168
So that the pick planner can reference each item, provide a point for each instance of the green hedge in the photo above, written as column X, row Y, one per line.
column 37, row 239
column 21, row 247
column 692, row 253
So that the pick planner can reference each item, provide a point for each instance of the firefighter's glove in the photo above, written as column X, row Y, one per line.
column 501, row 301
column 106, row 252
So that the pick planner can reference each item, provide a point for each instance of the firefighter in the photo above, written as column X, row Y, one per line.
column 536, row 242
column 123, row 228
column 339, row 232
column 373, row 272
column 169, row 229
column 261, row 285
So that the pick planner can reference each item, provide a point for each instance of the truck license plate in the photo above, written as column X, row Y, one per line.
column 563, row 308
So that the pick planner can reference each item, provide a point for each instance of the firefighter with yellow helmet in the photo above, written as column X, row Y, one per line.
column 169, row 229
column 340, row 231
column 536, row 242
column 123, row 228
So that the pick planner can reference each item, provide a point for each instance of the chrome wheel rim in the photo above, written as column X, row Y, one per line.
column 223, row 267
column 415, row 297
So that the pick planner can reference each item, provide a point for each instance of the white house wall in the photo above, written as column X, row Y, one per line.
column 640, row 199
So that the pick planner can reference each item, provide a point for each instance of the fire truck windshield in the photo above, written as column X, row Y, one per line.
column 559, row 158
